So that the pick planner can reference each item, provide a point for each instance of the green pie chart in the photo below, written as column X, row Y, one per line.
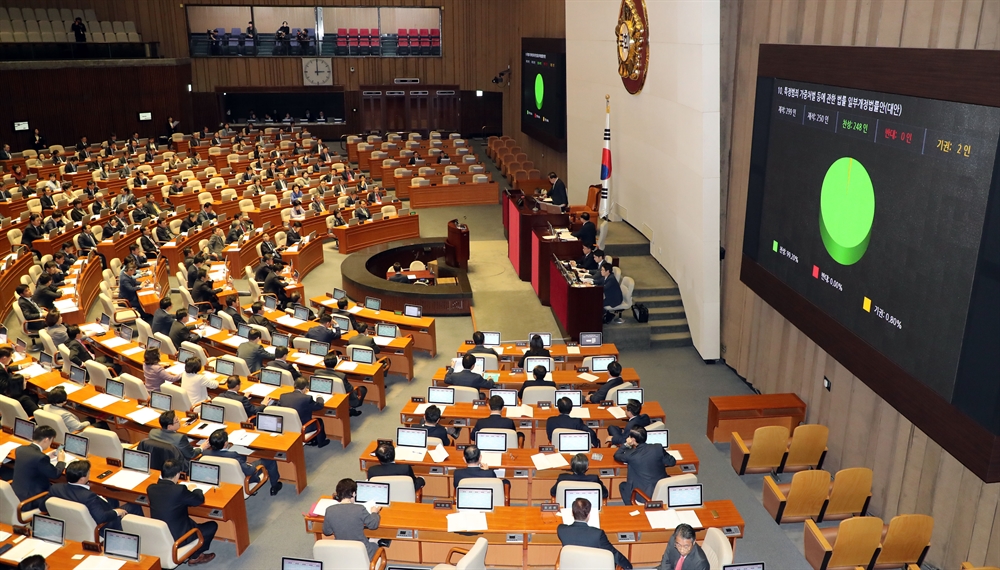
column 846, row 211
column 539, row 91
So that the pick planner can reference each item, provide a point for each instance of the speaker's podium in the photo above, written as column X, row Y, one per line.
column 456, row 247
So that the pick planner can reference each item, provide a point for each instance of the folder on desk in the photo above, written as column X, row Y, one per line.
column 617, row 412
column 467, row 521
column 522, row 411
column 580, row 412
column 671, row 518
column 588, row 377
column 548, row 461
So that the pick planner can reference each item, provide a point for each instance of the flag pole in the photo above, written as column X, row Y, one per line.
column 605, row 207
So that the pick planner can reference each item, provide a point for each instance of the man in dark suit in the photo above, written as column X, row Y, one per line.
column 581, row 534
column 614, row 379
column 633, row 411
column 300, row 401
column 252, row 352
column 432, row 415
column 275, row 285
column 135, row 258
column 218, row 446
column 167, row 433
column 77, row 489
column 179, row 332
column 33, row 230
column 232, row 308
column 149, row 247
column 465, row 377
column 265, row 268
column 537, row 380
column 397, row 274
column 356, row 396
column 324, row 331
column 612, row 290
column 588, row 233
column 478, row 338
column 563, row 421
column 495, row 420
column 558, row 191
column 279, row 362
column 162, row 318
column 12, row 383
column 343, row 312
column 33, row 471
column 363, row 339
column 473, row 467
column 587, row 261
column 29, row 308
column 682, row 552
column 387, row 466
column 268, row 247
column 233, row 393
column 169, row 502
column 46, row 292
column 203, row 291
column 257, row 317
column 578, row 466
column 647, row 463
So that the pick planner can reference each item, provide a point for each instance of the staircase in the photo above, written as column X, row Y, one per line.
column 668, row 325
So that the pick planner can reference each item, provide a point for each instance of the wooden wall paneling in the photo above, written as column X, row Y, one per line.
column 989, row 28
column 946, row 21
column 339, row 17
column 986, row 517
column 928, row 476
column 918, row 24
column 202, row 18
column 392, row 19
column 857, row 435
column 955, row 536
column 882, row 459
column 943, row 498
column 890, row 502
column 971, row 19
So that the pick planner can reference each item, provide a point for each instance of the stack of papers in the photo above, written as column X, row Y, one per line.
column 235, row 341
column 206, row 330
column 29, row 547
column 595, row 516
column 32, row 370
column 242, row 437
column 588, row 377
column 176, row 369
column 412, row 454
column 308, row 359
column 101, row 401
column 322, row 505
column 438, row 454
column 383, row 340
column 675, row 453
column 548, row 461
column 262, row 390
column 144, row 415
column 7, row 448
column 421, row 408
column 347, row 366
column 670, row 518
column 97, row 562
column 65, row 305
column 198, row 486
column 522, row 411
column 126, row 479
column 572, row 350
column 617, row 412
column 581, row 412
column 467, row 521
column 134, row 350
column 207, row 430
column 289, row 321
column 114, row 342
column 355, row 309
column 493, row 458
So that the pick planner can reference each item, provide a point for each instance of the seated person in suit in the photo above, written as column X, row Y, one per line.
column 252, row 352
column 614, row 379
column 387, row 466
column 586, row 262
column 495, row 420
column 104, row 511
column 77, row 213
column 169, row 502
column 279, row 362
column 55, row 327
column 478, row 338
column 564, row 421
column 275, row 285
column 266, row 267
column 595, row 274
column 79, row 353
column 474, row 467
column 348, row 520
column 465, row 377
column 578, row 466
column 294, row 234
column 536, row 347
column 232, row 308
column 612, row 289
column 361, row 212
column 647, row 464
column 57, row 398
column 588, row 233
column 233, row 393
column 432, row 415
column 257, row 317
column 397, row 274
column 33, row 230
column 343, row 312
column 324, row 331
column 203, row 291
column 682, row 552
column 633, row 411
column 46, row 292
column 31, row 310
column 537, row 379
column 33, row 471
column 218, row 446
column 581, row 534
column 356, row 396
column 179, row 332
column 362, row 338
column 162, row 318
column 167, row 433
column 300, row 401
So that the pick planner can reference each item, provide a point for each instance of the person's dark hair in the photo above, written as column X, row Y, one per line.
column 363, row 327
column 21, row 289
column 468, row 360
column 553, row 175
column 77, row 470
column 598, row 252
column 496, row 403
column 634, row 407
column 342, row 303
column 536, row 342
column 151, row 356
column 684, row 531
column 44, row 279
column 254, row 334
column 471, row 454
column 56, row 396
column 230, row 300
column 385, row 453
column 72, row 332
column 432, row 414
column 585, row 216
column 35, row 561
column 478, row 338
column 166, row 303
column 301, row 383
column 565, row 405
column 180, row 314
column 581, row 509
column 233, row 382
column 607, row 267
column 539, row 372
column 280, row 352
column 192, row 365
column 257, row 307
column 331, row 360
column 133, row 248
column 579, row 464
column 615, row 369
column 396, row 267
column 638, row 433
column 589, row 246
column 218, row 439
column 50, row 265
column 6, row 352
column 171, row 468
column 346, row 488
column 325, row 319
column 52, row 318
column 167, row 418
column 43, row 432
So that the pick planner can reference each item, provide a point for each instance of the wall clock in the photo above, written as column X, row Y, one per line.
column 317, row 71
column 632, row 34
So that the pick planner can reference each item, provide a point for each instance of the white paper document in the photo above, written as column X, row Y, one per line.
column 588, row 377
column 32, row 370
column 308, row 359
column 234, row 341
column 29, row 547
column 670, row 518
column 421, row 408
column 70, row 387
column 594, row 520
column 65, row 305
column 617, row 412
column 7, row 448
column 581, row 412
column 548, row 461
column 242, row 437
column 208, row 331
column 101, row 401
column 355, row 309
column 261, row 390
column 572, row 350
column 676, row 454
column 114, row 342
column 438, row 453
column 412, row 454
column 383, row 340
column 126, row 479
column 144, row 415
column 522, row 411
column 97, row 562
column 134, row 350
column 347, row 366
column 492, row 458
column 289, row 321
column 207, row 430
column 176, row 369
column 467, row 521
column 198, row 486
column 321, row 505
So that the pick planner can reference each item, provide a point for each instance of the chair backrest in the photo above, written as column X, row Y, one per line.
column 602, row 234
column 852, row 489
column 769, row 445
column 229, row 469
column 717, row 548
column 233, row 410
column 807, row 494
column 135, row 389
column 47, row 344
column 563, row 485
column 857, row 539
column 54, row 421
column 290, row 422
column 475, row 559
column 907, row 539
column 179, row 399
column 145, row 331
column 80, row 526
column 64, row 353
column 155, row 539
column 341, row 553
column 166, row 344
column 8, row 506
column 465, row 394
column 511, row 435
column 808, row 445
column 197, row 351
column 159, row 452
column 240, row 367
column 660, row 491
column 400, row 488
column 103, row 443
column 585, row 557
column 534, row 394
column 613, row 393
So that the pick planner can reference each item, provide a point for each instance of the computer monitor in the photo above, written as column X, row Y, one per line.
column 288, row 563
column 684, row 496
column 491, row 339
column 377, row 492
column 126, row 333
column 509, row 396
column 373, row 304
column 119, row 544
column 48, row 529
column 105, row 320
column 600, row 363
column 270, row 377
column 269, row 423
column 592, row 495
column 205, row 473
column 745, row 566
column 215, row 321
column 546, row 338
column 321, row 385
column 213, row 413
column 624, row 395
column 77, row 374
column 46, row 359
column 532, row 361
column 301, row 312
column 224, row 367
column 159, row 401
column 339, row 294
column 575, row 396
column 75, row 444
column 114, row 388
column 411, row 437
column 415, row 311
column 135, row 460
column 193, row 311
column 23, row 428
column 660, row 436
column 489, row 441
column 362, row 355
column 271, row 302
column 317, row 348
column 279, row 339
column 438, row 395
column 573, row 442
column 243, row 330
column 591, row 339
column 183, row 354
column 152, row 343
column 472, row 498
column 342, row 323
column 387, row 330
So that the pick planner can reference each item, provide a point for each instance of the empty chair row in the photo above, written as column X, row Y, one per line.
column 771, row 449
column 105, row 27
column 65, row 14
column 866, row 542
column 812, row 495
column 60, row 37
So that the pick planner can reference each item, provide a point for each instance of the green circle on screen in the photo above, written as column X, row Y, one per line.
column 846, row 211
column 539, row 91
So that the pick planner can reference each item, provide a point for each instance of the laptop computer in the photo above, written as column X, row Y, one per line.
column 573, row 442
column 592, row 495
column 183, row 354
column 288, row 563
column 509, row 396
column 376, row 492
column 118, row 544
column 243, row 331
column 373, row 304
column 224, row 367
column 321, row 385
column 387, row 330
column 342, row 323
column 362, row 355
column 77, row 374
column 415, row 311
column 126, row 333
column 76, row 445
column 213, row 413
column 135, row 460
column 575, row 396
column 193, row 311
column 301, row 312
column 684, row 497
column 339, row 294
column 660, row 436
column 215, row 321
column 471, row 498
column 279, row 340
column 411, row 443
column 152, row 343
column 491, row 339
column 269, row 423
column 623, row 396
column 600, row 363
column 270, row 377
column 114, row 388
column 204, row 473
column 48, row 529
column 439, row 395
column 159, row 401
column 271, row 302
column 591, row 339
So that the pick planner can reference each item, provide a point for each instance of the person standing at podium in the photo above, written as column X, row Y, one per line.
column 558, row 191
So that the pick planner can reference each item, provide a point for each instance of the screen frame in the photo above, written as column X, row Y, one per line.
column 544, row 45
column 138, row 546
column 412, row 429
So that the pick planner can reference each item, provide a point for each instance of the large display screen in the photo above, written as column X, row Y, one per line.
column 543, row 90
column 873, row 210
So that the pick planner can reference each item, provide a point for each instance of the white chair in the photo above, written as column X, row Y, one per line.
column 490, row 361
column 290, row 423
column 346, row 554
column 228, row 323
column 12, row 510
column 54, row 421
column 47, row 345
column 302, row 344
column 233, row 410
column 400, row 488
column 240, row 367
column 286, row 377
column 717, row 549
column 556, row 432
column 660, row 491
column 103, row 443
column 24, row 322
column 65, row 354
column 501, row 492
column 534, row 394
column 155, row 540
column 563, row 485
column 145, row 331
column 80, row 526
column 512, row 436
column 179, row 399
column 166, row 344
column 265, row 335
column 97, row 374
column 613, row 393
column 231, row 472
column 585, row 557
column 472, row 559
column 417, row 265
column 135, row 389
column 465, row 394
column 119, row 311
column 196, row 350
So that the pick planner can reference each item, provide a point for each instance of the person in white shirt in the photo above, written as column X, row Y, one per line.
column 194, row 382
column 56, row 398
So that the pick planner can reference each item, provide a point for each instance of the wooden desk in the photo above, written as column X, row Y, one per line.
column 243, row 253
column 305, row 258
column 10, row 278
column 564, row 379
column 63, row 558
column 543, row 247
column 466, row 194
column 539, row 544
column 149, row 297
column 520, row 221
column 560, row 353
column 744, row 414
column 353, row 238
column 578, row 308
column 402, row 183
column 423, row 329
